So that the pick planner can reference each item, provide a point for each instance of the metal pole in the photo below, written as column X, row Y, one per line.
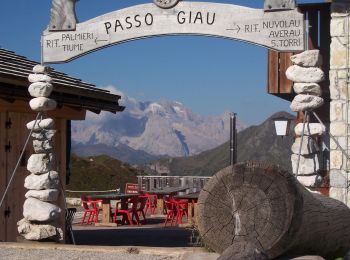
column 306, row 115
column 233, row 139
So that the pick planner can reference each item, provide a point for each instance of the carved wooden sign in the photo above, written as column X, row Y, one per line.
column 282, row 31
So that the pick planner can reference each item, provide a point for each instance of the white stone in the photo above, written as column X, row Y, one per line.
column 338, row 27
column 333, row 145
column 339, row 194
column 309, row 75
column 42, row 104
column 336, row 160
column 44, row 146
column 40, row 89
column 44, row 135
column 310, row 129
column 309, row 146
column 338, row 53
column 337, row 111
column 40, row 69
column 40, row 163
column 48, row 180
column 308, row 164
column 310, row 58
column 36, row 210
column 307, row 88
column 338, row 179
column 340, row 8
column 304, row 102
column 308, row 181
column 38, row 231
column 337, row 129
column 43, row 195
column 39, row 78
column 47, row 123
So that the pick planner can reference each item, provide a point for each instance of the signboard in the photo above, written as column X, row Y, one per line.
column 281, row 31
column 131, row 188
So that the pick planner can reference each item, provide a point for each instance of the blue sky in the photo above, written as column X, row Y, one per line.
column 208, row 75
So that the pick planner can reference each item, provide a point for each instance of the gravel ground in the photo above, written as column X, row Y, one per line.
column 52, row 254
column 23, row 251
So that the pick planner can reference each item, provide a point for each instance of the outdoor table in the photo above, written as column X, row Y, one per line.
column 192, row 199
column 106, row 204
column 164, row 192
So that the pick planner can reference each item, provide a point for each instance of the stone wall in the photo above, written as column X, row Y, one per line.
column 340, row 98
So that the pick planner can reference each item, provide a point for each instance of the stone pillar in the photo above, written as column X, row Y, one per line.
column 306, row 74
column 40, row 214
column 339, row 94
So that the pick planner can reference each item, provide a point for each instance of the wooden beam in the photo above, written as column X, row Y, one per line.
column 63, row 113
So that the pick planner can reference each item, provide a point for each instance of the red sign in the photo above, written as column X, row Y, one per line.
column 131, row 188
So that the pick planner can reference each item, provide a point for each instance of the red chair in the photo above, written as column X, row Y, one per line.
column 170, row 208
column 142, row 202
column 151, row 203
column 128, row 213
column 91, row 209
column 181, row 210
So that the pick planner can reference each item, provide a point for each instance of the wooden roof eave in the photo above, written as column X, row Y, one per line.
column 59, row 87
column 9, row 91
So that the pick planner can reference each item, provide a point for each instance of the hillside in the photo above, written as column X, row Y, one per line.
column 121, row 152
column 254, row 143
column 99, row 173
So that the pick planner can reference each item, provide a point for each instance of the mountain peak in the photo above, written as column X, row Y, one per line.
column 161, row 128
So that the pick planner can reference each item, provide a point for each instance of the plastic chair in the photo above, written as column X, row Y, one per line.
column 142, row 202
column 129, row 213
column 170, row 208
column 91, row 209
column 151, row 203
column 181, row 210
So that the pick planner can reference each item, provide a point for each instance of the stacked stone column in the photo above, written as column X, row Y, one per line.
column 340, row 100
column 40, row 213
column 306, row 74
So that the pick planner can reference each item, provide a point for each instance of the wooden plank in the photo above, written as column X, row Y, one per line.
column 3, row 177
column 17, row 135
column 273, row 68
column 106, row 209
column 160, row 206
column 235, row 23
column 313, row 28
column 63, row 112
column 60, row 163
column 285, row 85
column 325, row 41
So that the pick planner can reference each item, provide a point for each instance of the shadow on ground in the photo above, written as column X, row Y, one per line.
column 152, row 237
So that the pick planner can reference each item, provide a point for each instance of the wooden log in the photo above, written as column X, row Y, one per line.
column 259, row 211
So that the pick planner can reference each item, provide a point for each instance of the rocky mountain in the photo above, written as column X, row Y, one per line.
column 163, row 128
column 258, row 143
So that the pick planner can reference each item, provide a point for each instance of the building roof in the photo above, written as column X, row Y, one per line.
column 14, row 71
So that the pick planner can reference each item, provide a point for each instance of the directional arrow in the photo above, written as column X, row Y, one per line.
column 236, row 28
column 97, row 40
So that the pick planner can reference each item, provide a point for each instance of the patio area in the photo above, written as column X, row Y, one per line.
column 153, row 233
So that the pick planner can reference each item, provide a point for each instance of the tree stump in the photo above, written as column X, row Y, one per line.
column 258, row 211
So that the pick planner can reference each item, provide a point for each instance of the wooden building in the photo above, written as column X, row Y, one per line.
column 318, row 16
column 74, row 98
